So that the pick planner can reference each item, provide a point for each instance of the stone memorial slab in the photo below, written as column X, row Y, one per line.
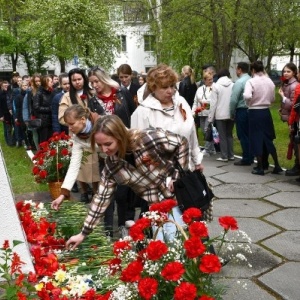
column 240, row 177
column 11, row 228
column 285, row 186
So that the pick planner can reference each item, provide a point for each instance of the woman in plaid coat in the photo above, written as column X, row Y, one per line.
column 154, row 153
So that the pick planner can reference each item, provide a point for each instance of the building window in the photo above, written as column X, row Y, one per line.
column 149, row 42
column 123, row 45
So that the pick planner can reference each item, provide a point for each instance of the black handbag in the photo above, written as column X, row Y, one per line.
column 34, row 123
column 209, row 133
column 192, row 190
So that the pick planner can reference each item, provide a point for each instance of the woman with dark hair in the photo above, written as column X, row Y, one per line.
column 80, row 121
column 220, row 114
column 287, row 92
column 42, row 108
column 79, row 93
column 111, row 99
column 146, row 178
column 259, row 94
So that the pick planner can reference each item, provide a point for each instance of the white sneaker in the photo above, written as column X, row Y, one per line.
column 222, row 159
column 205, row 153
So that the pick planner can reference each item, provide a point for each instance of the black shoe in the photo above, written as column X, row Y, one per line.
column 277, row 170
column 242, row 163
column 265, row 168
column 90, row 190
column 294, row 171
column 84, row 198
column 75, row 188
column 258, row 172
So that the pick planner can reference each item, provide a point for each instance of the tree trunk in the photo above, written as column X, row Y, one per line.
column 62, row 62
column 14, row 60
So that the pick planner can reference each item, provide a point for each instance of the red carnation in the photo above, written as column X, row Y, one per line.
column 115, row 265
column 43, row 174
column 186, row 291
column 83, row 96
column 120, row 246
column 59, row 166
column 52, row 152
column 228, row 222
column 194, row 247
column 147, row 287
column 210, row 263
column 173, row 271
column 35, row 170
column 133, row 272
column 40, row 162
column 156, row 249
column 137, row 230
column 190, row 214
column 164, row 206
column 198, row 229
column 204, row 297
column 64, row 151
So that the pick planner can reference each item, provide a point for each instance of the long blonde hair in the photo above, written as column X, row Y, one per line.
column 188, row 71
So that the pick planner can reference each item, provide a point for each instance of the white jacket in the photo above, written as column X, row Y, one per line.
column 151, row 114
column 220, row 100
column 203, row 95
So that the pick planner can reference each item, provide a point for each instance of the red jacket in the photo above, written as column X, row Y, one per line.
column 294, row 117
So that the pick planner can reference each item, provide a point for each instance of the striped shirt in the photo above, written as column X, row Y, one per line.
column 155, row 155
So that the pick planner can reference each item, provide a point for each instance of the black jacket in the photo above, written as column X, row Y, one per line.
column 124, row 107
column 18, row 104
column 188, row 90
column 42, row 106
column 4, row 110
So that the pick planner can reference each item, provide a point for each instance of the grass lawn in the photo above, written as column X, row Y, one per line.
column 19, row 167
column 19, row 164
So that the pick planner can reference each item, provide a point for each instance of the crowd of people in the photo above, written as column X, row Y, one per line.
column 116, row 120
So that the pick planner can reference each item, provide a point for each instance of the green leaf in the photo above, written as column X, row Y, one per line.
column 16, row 243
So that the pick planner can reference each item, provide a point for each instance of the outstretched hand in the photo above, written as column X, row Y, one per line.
column 57, row 202
column 74, row 241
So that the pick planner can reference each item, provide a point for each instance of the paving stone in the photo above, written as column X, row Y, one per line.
column 284, row 280
column 213, row 182
column 260, row 259
column 244, row 289
column 286, row 244
column 240, row 177
column 285, row 186
column 288, row 219
column 285, row 199
column 212, row 171
column 259, row 229
column 242, row 207
column 247, row 191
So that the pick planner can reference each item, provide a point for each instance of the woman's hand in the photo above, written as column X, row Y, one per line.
column 171, row 186
column 199, row 167
column 74, row 241
column 57, row 202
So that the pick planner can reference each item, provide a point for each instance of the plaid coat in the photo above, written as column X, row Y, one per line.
column 154, row 157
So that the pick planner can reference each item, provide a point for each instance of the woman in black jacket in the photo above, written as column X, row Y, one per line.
column 111, row 99
column 42, row 107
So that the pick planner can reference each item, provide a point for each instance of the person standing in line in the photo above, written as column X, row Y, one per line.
column 187, row 87
column 125, row 77
column 6, row 115
column 42, row 108
column 201, row 108
column 287, row 92
column 239, row 113
column 64, row 84
column 220, row 113
column 259, row 94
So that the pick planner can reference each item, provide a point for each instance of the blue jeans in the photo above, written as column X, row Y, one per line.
column 168, row 231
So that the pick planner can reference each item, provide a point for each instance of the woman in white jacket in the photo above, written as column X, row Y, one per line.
column 166, row 109
column 220, row 112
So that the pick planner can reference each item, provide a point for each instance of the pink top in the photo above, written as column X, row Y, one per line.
column 259, row 91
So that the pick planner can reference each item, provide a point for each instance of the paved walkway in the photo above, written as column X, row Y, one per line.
column 268, row 210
